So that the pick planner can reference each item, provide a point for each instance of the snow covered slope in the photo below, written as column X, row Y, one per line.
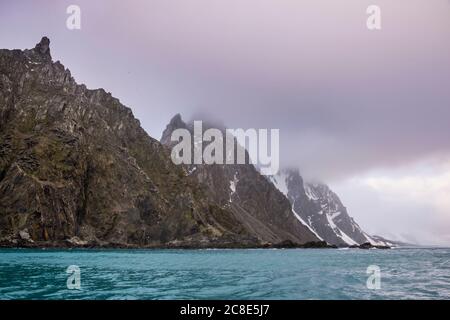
column 321, row 210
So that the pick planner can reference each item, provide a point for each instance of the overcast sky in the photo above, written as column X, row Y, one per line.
column 365, row 111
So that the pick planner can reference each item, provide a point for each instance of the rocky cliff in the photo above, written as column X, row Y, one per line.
column 76, row 168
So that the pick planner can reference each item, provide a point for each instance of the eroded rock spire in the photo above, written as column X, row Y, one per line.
column 43, row 47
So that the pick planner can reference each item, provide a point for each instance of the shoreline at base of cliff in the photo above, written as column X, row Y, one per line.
column 66, row 244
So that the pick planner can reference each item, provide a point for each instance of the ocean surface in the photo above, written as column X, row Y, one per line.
column 225, row 274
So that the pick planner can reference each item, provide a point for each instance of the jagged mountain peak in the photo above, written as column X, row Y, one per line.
column 177, row 121
column 43, row 47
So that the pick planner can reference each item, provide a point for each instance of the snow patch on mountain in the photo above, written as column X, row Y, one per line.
column 192, row 170
column 339, row 232
column 310, row 193
column 233, row 184
column 376, row 242
column 306, row 224
column 280, row 182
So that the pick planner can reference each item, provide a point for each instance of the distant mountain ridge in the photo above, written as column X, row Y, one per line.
column 317, row 206
column 314, row 206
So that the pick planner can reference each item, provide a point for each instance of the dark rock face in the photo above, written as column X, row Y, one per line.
column 259, row 207
column 76, row 163
column 76, row 169
column 368, row 245
column 321, row 209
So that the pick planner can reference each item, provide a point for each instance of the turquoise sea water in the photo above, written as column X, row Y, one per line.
column 225, row 274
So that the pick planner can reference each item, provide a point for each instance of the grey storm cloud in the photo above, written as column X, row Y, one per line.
column 345, row 98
